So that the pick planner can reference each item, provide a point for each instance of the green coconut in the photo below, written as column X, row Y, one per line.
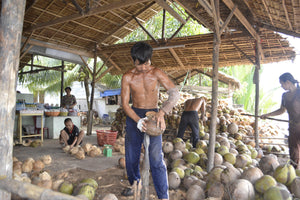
column 277, row 193
column 191, row 157
column 264, row 183
column 223, row 150
column 88, row 191
column 66, row 188
column 179, row 171
column 230, row 157
column 285, row 174
column 91, row 182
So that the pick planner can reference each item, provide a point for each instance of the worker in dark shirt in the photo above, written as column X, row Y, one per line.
column 71, row 135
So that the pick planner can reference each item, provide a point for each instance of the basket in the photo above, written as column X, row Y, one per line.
column 106, row 137
column 52, row 114
column 63, row 114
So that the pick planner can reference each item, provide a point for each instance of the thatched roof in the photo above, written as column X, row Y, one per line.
column 78, row 26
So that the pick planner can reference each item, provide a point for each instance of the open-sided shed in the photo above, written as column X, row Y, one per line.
column 242, row 32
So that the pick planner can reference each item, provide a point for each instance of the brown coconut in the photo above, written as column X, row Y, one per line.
column 122, row 162
column 151, row 124
column 268, row 164
column 229, row 174
column 168, row 147
column 216, row 189
column 295, row 187
column 38, row 166
column 195, row 192
column 46, row 159
column 252, row 174
column 232, row 128
column 174, row 180
column 241, row 189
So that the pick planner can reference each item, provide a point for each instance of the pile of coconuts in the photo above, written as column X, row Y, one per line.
column 80, row 152
column 239, row 172
column 32, row 171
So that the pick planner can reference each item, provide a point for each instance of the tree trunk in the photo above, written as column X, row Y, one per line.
column 12, row 17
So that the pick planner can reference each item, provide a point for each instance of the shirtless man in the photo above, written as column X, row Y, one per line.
column 190, row 118
column 142, row 84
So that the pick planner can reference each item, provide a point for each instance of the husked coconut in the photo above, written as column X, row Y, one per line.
column 67, row 148
column 176, row 154
column 46, row 159
column 268, row 164
column 45, row 176
column 80, row 155
column 216, row 189
column 168, row 147
column 252, row 174
column 74, row 150
column 195, row 192
column 122, row 162
column 174, row 180
column 95, row 151
column 27, row 166
column 87, row 147
column 38, row 166
column 241, row 189
column 110, row 197
column 295, row 187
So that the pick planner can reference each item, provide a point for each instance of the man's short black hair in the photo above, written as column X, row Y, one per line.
column 67, row 120
column 142, row 52
column 68, row 88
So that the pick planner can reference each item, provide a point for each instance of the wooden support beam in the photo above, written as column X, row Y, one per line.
column 77, row 6
column 114, row 64
column 145, row 30
column 163, row 25
column 240, row 50
column 86, row 65
column 174, row 54
column 25, row 52
column 228, row 19
column 26, row 42
column 94, row 11
column 193, row 13
column 246, row 23
column 272, row 28
column 286, row 15
column 103, row 74
column 40, row 70
column 177, row 31
column 268, row 12
column 124, row 24
column 170, row 10
column 104, row 63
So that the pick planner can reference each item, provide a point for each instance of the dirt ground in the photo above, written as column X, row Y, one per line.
column 105, row 170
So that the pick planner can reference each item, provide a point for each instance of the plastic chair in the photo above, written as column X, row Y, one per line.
column 37, row 130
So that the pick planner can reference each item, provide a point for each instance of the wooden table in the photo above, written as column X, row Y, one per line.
column 22, row 114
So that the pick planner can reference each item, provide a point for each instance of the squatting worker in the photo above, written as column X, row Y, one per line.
column 190, row 118
column 290, row 102
column 70, row 135
column 142, row 84
column 68, row 100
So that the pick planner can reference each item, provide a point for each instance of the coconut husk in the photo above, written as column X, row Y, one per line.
column 151, row 125
column 45, row 176
column 26, row 142
column 67, row 148
column 87, row 147
column 36, row 143
column 27, row 166
column 80, row 155
column 74, row 150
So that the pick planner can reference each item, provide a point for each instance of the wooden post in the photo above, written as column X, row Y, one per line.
column 214, row 95
column 62, row 81
column 256, row 82
column 90, row 113
column 12, row 16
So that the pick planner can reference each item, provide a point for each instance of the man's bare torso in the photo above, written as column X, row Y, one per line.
column 144, row 87
column 193, row 104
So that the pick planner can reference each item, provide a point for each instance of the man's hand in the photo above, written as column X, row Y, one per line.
column 160, row 120
column 141, row 125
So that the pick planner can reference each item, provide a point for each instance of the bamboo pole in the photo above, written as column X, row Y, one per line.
column 27, row 190
column 11, row 17
column 256, row 82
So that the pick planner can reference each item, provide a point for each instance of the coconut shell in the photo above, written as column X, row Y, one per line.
column 122, row 162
